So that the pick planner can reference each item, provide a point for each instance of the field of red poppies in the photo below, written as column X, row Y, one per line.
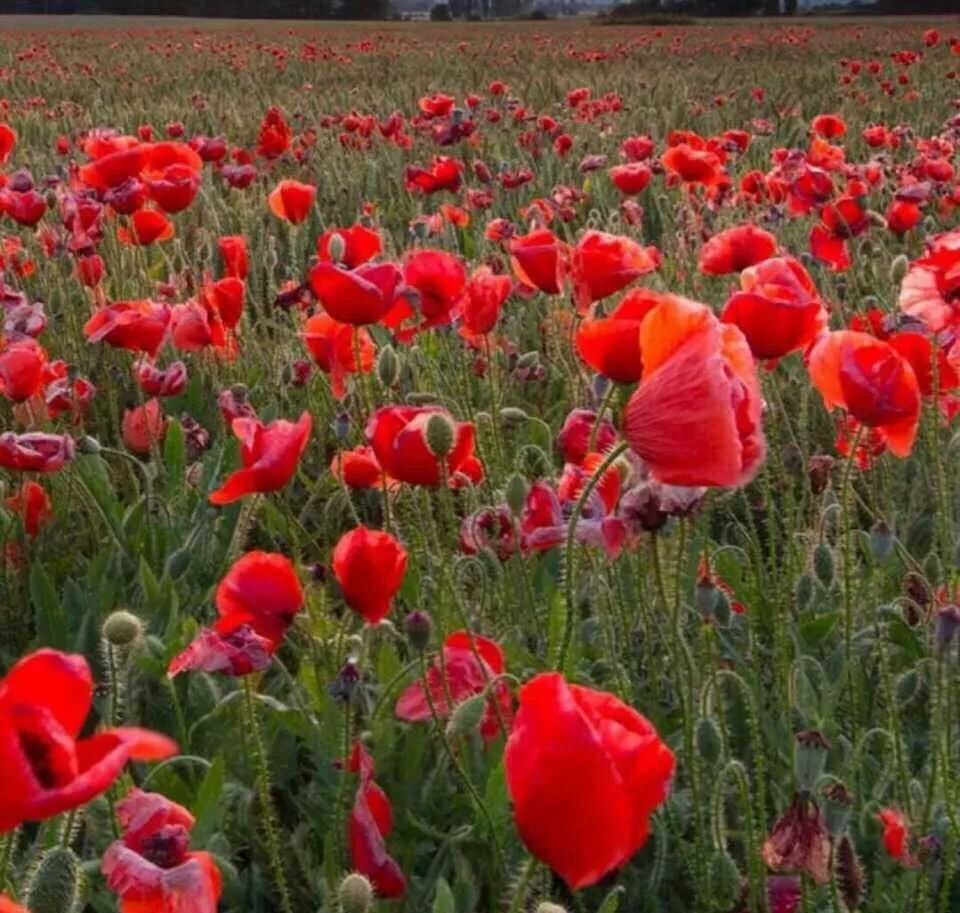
column 479, row 468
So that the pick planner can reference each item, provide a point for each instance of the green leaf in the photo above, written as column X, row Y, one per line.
column 817, row 629
column 206, row 807
column 443, row 901
column 51, row 619
column 174, row 457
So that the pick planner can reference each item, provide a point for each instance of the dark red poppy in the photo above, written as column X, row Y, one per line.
column 539, row 260
column 25, row 208
column 126, row 198
column 151, row 866
column 695, row 418
column 470, row 663
column 778, row 308
column 35, row 452
column 398, row 437
column 46, row 770
column 146, row 227
column 31, row 503
column 631, row 178
column 233, row 251
column 292, row 201
column 360, row 296
column 138, row 326
column 872, row 381
column 544, row 525
column 21, row 370
column 353, row 246
column 369, row 566
column 602, row 264
column 585, row 772
column 611, row 345
column 334, row 346
column 486, row 294
column 270, row 455
column 735, row 249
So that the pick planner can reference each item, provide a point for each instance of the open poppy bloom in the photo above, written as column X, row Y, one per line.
column 602, row 264
column 292, row 201
column 778, row 308
column 154, row 381
column 539, row 260
column 359, row 296
column 735, row 249
column 630, row 178
column 486, row 294
column 693, row 166
column 573, row 438
column 611, row 345
column 257, row 602
column 695, row 418
column 151, row 867
column 397, row 435
column 146, row 227
column 333, row 347
column 444, row 173
column 138, row 326
column 931, row 287
column 470, row 663
column 576, row 475
column 32, row 503
column 269, row 453
column 46, row 770
column 585, row 772
column 872, row 381
column 275, row 135
column 544, row 523
column 357, row 468
column 439, row 279
column 35, row 451
column 22, row 370
column 174, row 188
column 233, row 252
column 355, row 245
column 371, row 821
column 369, row 566
column 144, row 427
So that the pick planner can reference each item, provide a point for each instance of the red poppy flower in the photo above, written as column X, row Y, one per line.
column 113, row 168
column 398, row 437
column 126, row 198
column 470, row 663
column 35, row 452
column 233, row 251
column 170, row 381
column 637, row 148
column 631, row 178
column 486, row 294
column 611, row 345
column 903, row 215
column 574, row 437
column 735, row 249
column 269, row 453
column 357, row 244
column 444, row 173
column 931, row 287
column 575, row 476
column 872, row 381
column 275, row 135
column 357, row 468
column 369, row 566
column 45, row 769
column 602, row 264
column 334, row 349
column 371, row 821
column 292, row 201
column 90, row 270
column 8, row 139
column 6, row 904
column 224, row 299
column 585, row 772
column 32, row 503
column 21, row 370
column 257, row 602
column 193, row 328
column 543, row 524
column 146, row 227
column 695, row 418
column 25, row 207
column 151, row 866
column 440, row 280
column 539, row 260
column 360, row 296
column 138, row 326
column 693, row 166
column 917, row 349
column 829, row 126
column 144, row 427
column 778, row 309
column 174, row 188
column 896, row 834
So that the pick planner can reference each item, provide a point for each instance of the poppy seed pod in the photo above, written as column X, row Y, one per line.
column 440, row 434
column 881, row 541
column 355, row 893
column 336, row 247
column 122, row 628
column 706, row 596
column 55, row 886
column 547, row 907
column 809, row 758
column 837, row 805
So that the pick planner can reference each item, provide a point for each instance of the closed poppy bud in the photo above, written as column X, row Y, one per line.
column 418, row 626
column 823, row 564
column 55, row 885
column 818, row 472
column 851, row 881
column 837, row 805
column 708, row 739
column 388, row 366
column 122, row 628
column 898, row 268
column 467, row 716
column 706, row 595
column 948, row 620
column 355, row 893
column 515, row 493
column 803, row 591
column 513, row 416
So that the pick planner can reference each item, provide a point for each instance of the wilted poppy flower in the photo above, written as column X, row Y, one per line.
column 574, row 437
column 357, row 468
column 931, row 287
column 154, row 381
column 695, row 418
column 470, row 663
column 778, row 309
column 539, row 260
column 439, row 279
column 602, row 264
column 46, row 770
column 585, row 772
column 257, row 602
column 35, row 452
column 233, row 251
column 872, row 381
column 144, row 427
column 369, row 566
column 799, row 841
column 489, row 529
column 611, row 345
column 138, row 326
column 334, row 346
column 21, row 370
column 126, row 198
column 354, row 246
column 151, row 866
column 359, row 296
column 631, row 178
column 269, row 453
column 371, row 821
column 576, row 475
column 735, row 249
column 146, row 226
column 544, row 524
column 486, row 293
column 33, row 505
column 292, row 201
column 398, row 437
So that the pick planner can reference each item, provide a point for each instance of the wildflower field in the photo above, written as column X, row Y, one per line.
column 479, row 468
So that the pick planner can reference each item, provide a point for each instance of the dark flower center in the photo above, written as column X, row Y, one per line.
column 167, row 848
column 39, row 754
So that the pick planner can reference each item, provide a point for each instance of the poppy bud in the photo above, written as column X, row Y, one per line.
column 355, row 893
column 547, row 907
column 388, row 366
column 122, row 628
column 511, row 416
column 838, row 803
column 341, row 426
column 533, row 462
column 440, row 434
column 706, row 596
column 88, row 444
column 516, row 493
column 898, row 268
column 55, row 886
column 725, row 881
column 709, row 740
column 336, row 247
column 881, row 541
column 467, row 716
column 849, row 873
column 931, row 567
column 818, row 471
column 823, row 565
column 906, row 687
column 419, row 628
column 803, row 591
column 809, row 758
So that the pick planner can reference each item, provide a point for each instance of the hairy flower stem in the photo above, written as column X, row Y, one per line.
column 267, row 814
column 608, row 395
column 523, row 885
column 7, row 844
column 846, row 497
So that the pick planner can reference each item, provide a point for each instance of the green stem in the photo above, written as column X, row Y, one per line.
column 7, row 842
column 520, row 892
